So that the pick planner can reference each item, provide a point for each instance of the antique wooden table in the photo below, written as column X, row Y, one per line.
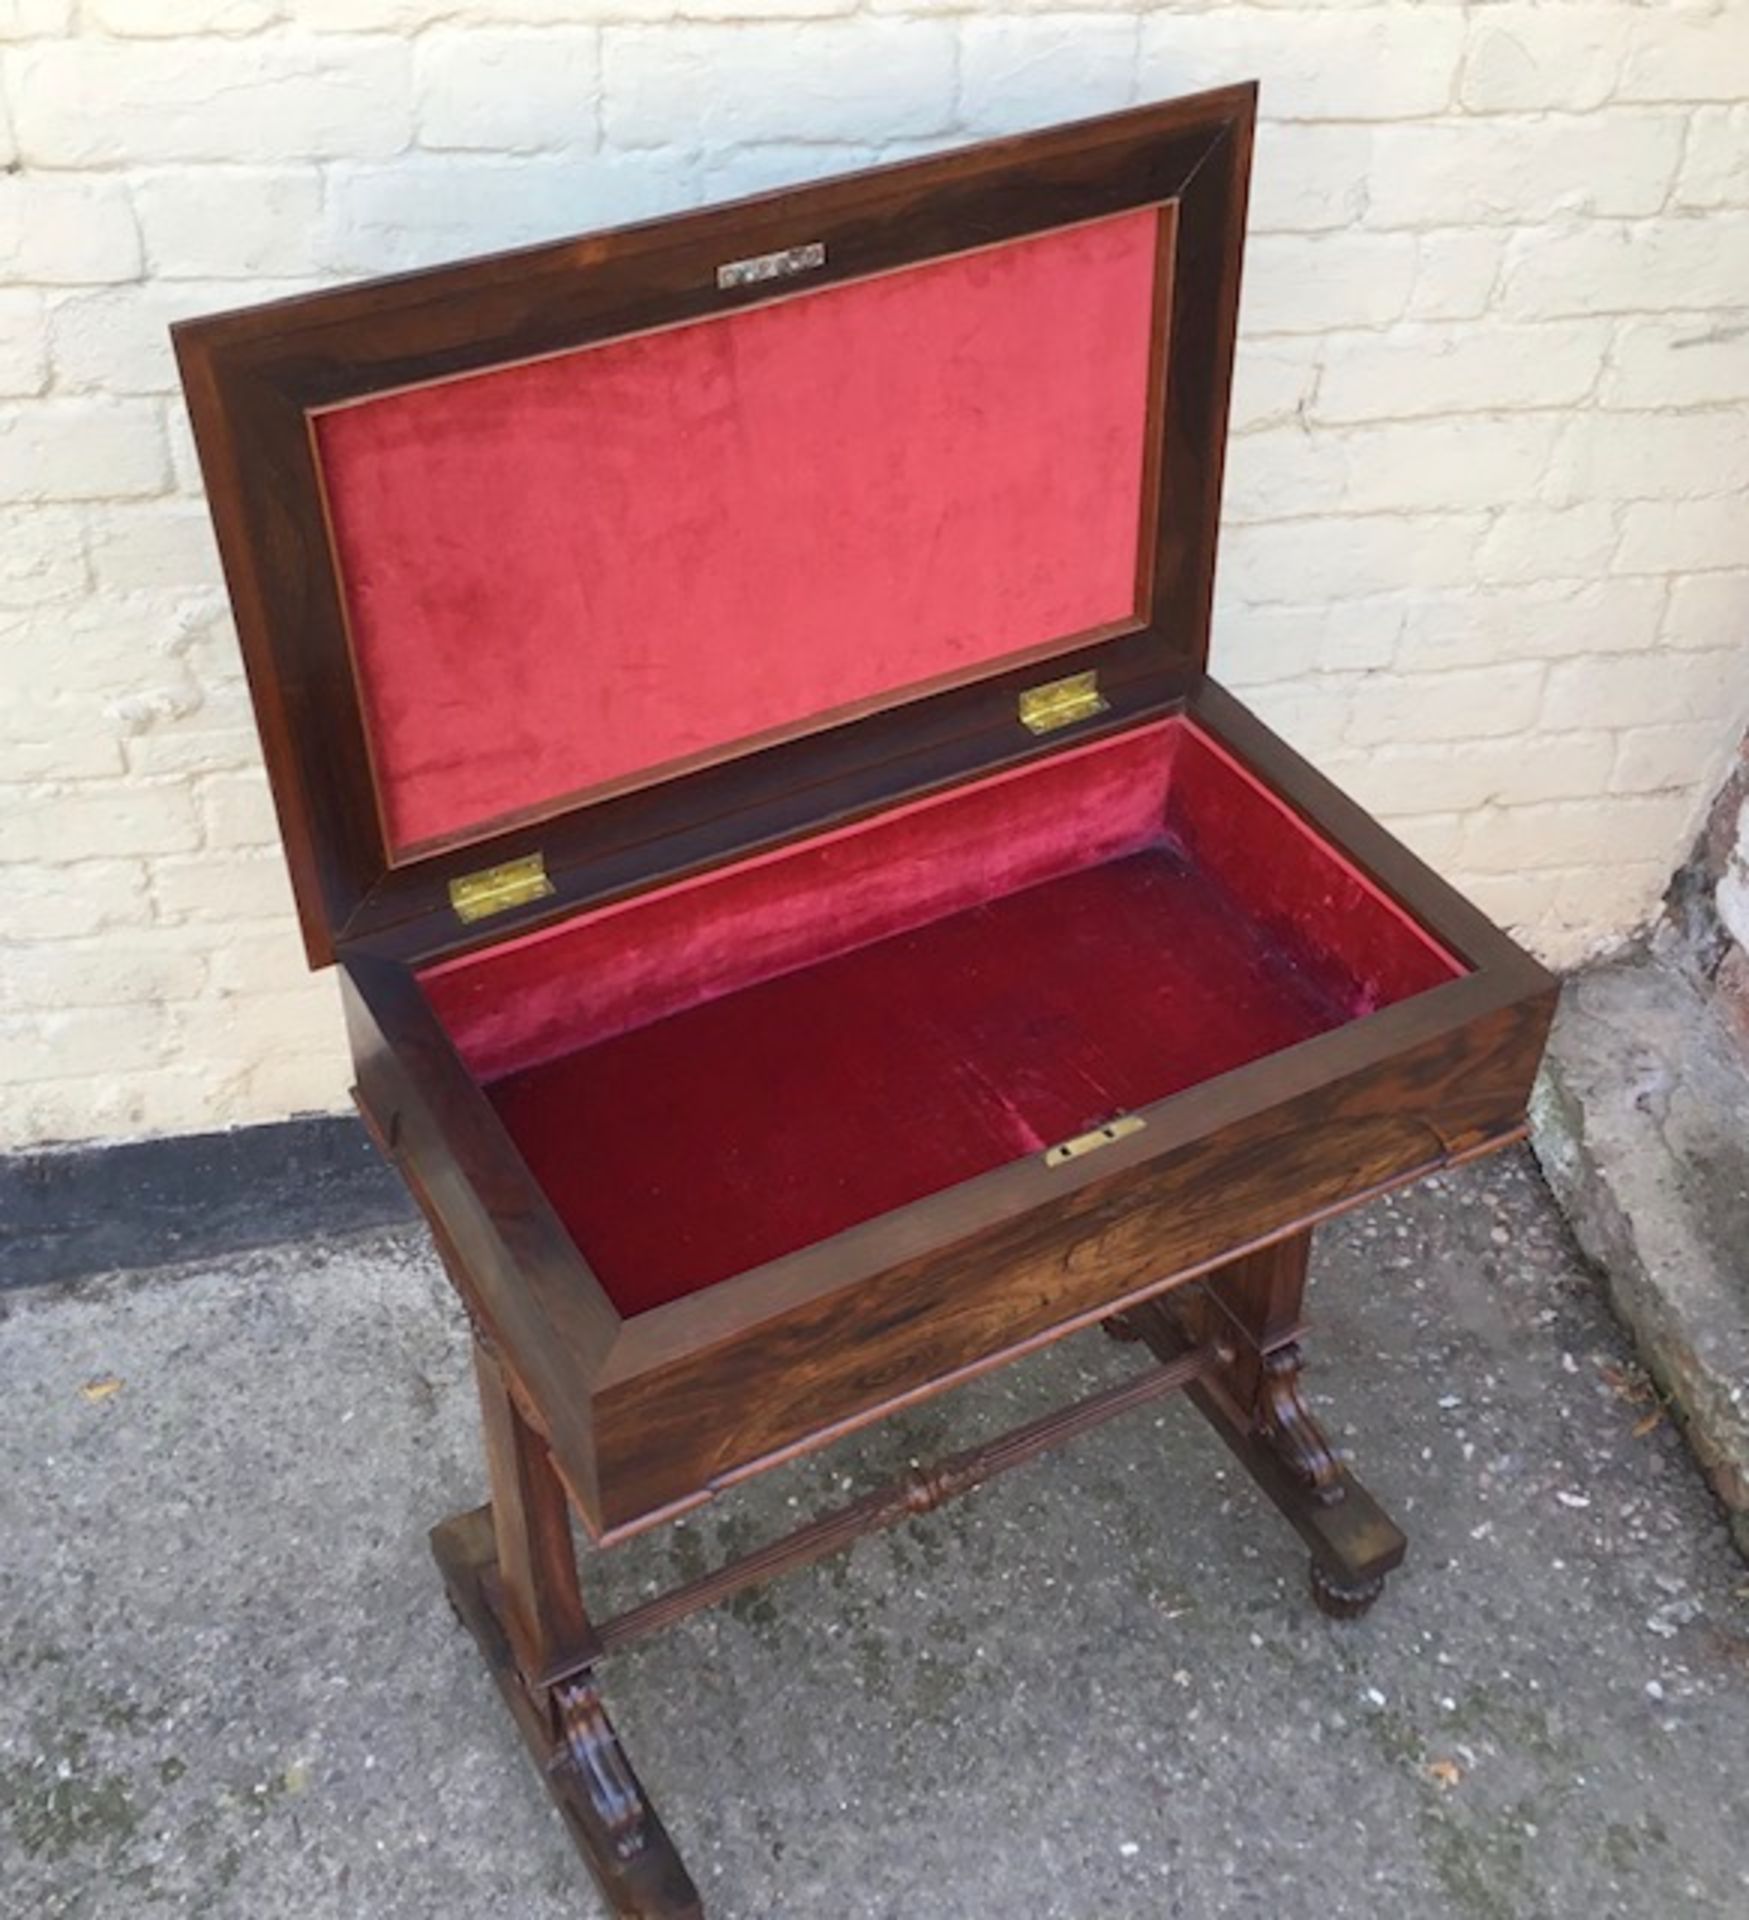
column 735, row 690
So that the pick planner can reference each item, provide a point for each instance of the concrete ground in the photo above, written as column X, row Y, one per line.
column 229, row 1684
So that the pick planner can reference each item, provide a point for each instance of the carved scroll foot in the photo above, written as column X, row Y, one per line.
column 1343, row 1600
column 1354, row 1542
column 605, row 1809
column 1285, row 1423
column 591, row 1761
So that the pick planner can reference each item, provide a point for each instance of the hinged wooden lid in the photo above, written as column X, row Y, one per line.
column 536, row 557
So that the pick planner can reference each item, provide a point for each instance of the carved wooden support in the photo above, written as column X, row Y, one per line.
column 1286, row 1423
column 1249, row 1314
column 590, row 1752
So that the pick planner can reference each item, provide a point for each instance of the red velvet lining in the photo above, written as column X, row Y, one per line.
column 741, row 1065
column 570, row 572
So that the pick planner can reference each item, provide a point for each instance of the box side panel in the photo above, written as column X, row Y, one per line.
column 524, row 1286
column 696, row 1419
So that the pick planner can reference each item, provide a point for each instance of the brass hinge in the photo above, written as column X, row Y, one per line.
column 1060, row 703
column 477, row 896
column 1094, row 1138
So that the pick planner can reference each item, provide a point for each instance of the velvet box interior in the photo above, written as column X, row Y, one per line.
column 601, row 567
column 731, row 1069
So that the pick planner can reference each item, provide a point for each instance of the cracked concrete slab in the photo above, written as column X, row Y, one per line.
column 230, row 1686
column 1641, row 1123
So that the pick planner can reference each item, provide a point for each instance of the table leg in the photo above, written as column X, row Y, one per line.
column 511, row 1572
column 1253, row 1308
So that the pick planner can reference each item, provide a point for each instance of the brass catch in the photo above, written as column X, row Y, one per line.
column 1060, row 703
column 1095, row 1138
column 477, row 896
column 783, row 265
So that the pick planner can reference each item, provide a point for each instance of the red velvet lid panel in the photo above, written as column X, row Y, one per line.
column 563, row 576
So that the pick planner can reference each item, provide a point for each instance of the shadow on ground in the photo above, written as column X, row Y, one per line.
column 229, row 1684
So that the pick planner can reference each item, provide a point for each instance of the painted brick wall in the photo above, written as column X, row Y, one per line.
column 1485, row 553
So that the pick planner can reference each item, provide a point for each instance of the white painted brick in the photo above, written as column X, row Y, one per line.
column 314, row 1077
column 1479, row 705
column 231, row 888
column 1622, row 893
column 184, row 460
column 1649, row 689
column 218, row 222
column 66, row 232
column 1648, row 456
column 236, row 810
column 1311, row 283
column 1681, row 54
column 24, row 359
column 1475, row 626
column 269, row 959
column 108, row 653
column 1650, row 267
column 410, row 16
column 189, row 750
column 1411, row 466
column 1459, row 369
column 63, row 900
column 1398, row 467
column 158, row 544
column 1678, row 536
column 711, row 84
column 1715, row 170
column 1306, row 178
column 1274, row 645
column 1515, row 901
column 1516, row 170
column 1675, row 363
column 1548, row 543
column 1310, row 715
column 235, row 1026
column 1456, row 271
column 8, row 145
column 1446, row 779
column 1285, row 470
column 1657, row 759
column 42, row 558
column 157, row 18
column 1591, row 833
column 120, row 971
column 1336, row 558
column 82, row 449
column 1708, row 610
column 172, row 1099
column 1369, row 64
column 1522, row 58
column 54, row 756
column 1030, row 71
column 1273, row 381
column 118, row 340
column 92, row 1040
column 96, row 103
column 508, row 92
column 33, row 19
column 76, row 824
column 419, row 213
column 1434, row 837
column 730, row 172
